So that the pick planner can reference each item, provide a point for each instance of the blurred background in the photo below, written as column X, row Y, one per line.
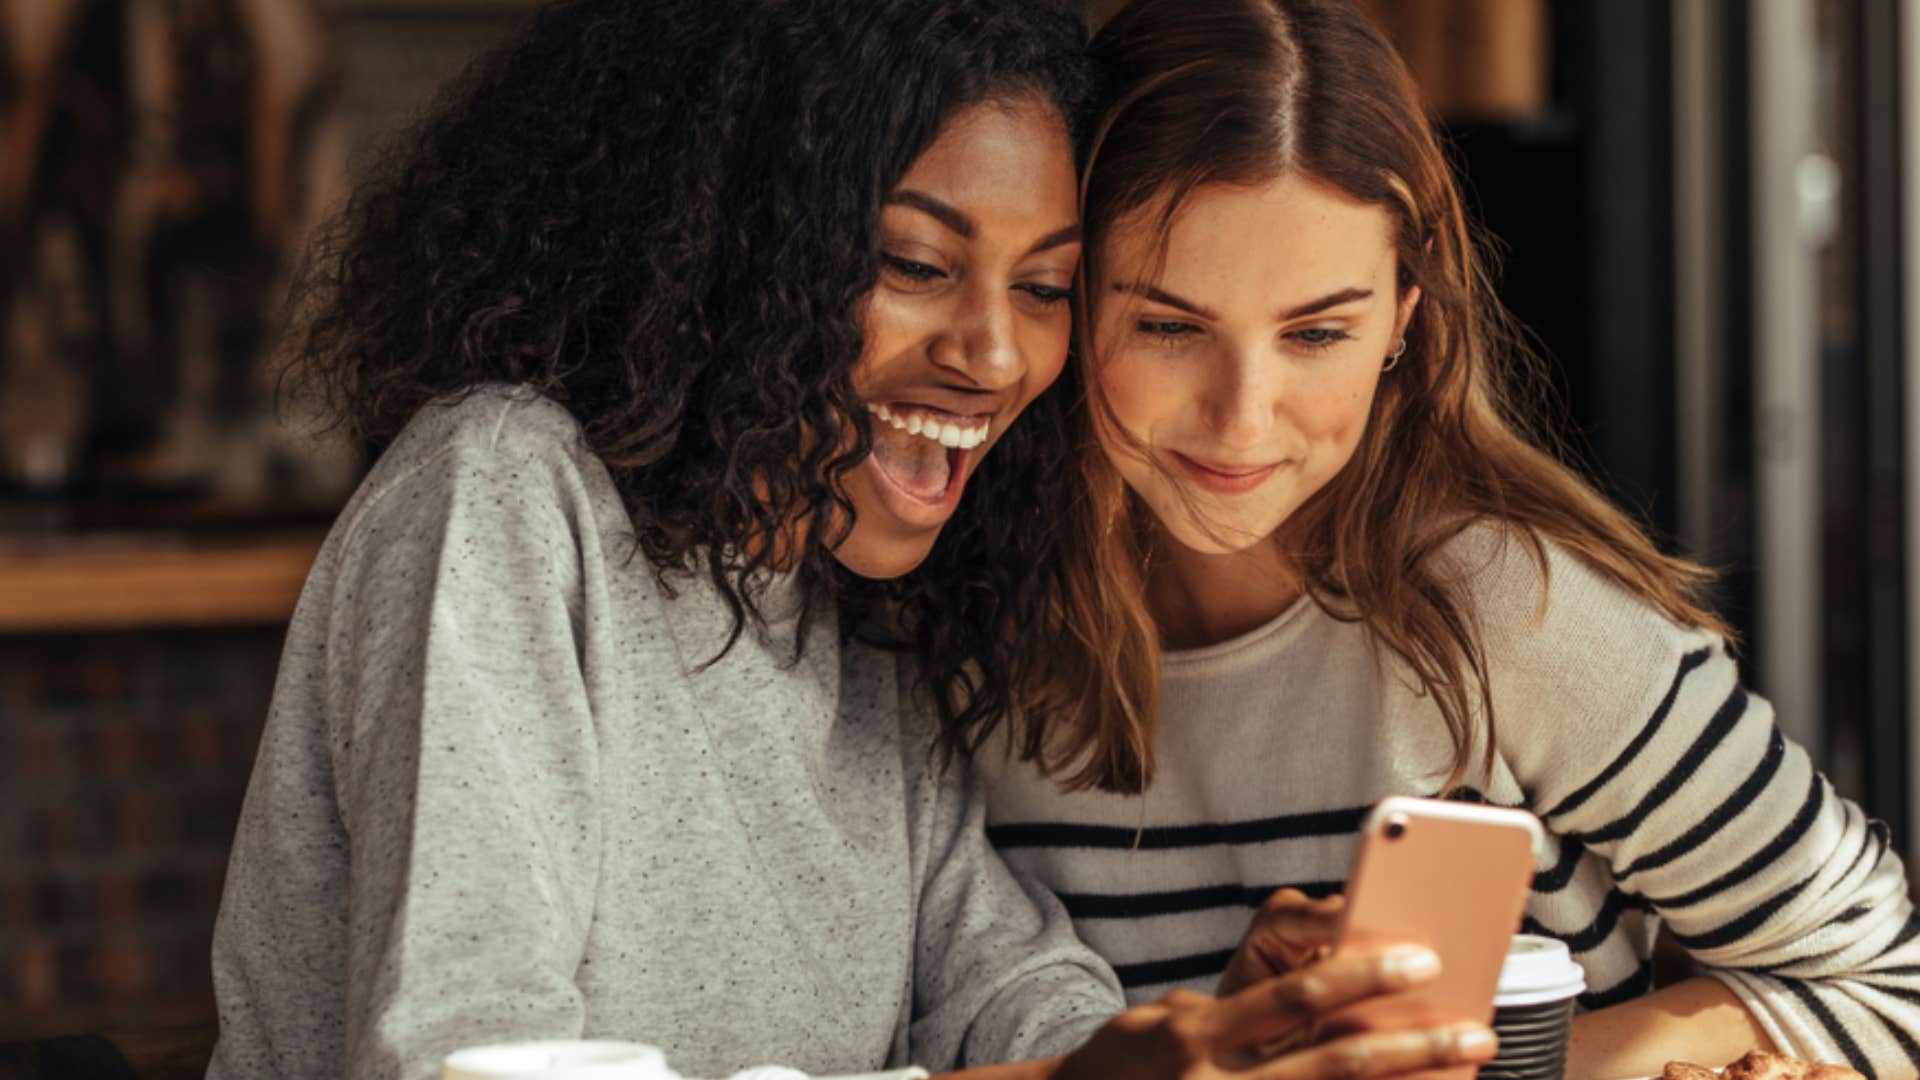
column 1709, row 214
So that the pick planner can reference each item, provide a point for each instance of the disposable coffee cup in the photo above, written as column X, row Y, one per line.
column 1533, row 1010
column 566, row 1059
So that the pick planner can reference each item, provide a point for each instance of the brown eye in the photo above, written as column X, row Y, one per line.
column 911, row 270
column 1047, row 294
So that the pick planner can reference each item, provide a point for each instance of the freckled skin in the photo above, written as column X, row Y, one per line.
column 1243, row 386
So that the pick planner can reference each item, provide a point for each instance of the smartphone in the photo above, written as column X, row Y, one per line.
column 1451, row 876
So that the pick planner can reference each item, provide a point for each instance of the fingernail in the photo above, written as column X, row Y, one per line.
column 1410, row 962
column 1476, row 1043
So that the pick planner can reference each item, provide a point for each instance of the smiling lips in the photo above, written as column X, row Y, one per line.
column 1225, row 479
column 922, row 452
column 921, row 455
column 947, row 429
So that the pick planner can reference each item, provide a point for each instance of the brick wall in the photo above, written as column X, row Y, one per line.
column 123, row 760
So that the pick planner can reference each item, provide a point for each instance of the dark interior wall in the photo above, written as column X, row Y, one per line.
column 123, row 759
column 124, row 756
column 1579, row 201
column 1582, row 199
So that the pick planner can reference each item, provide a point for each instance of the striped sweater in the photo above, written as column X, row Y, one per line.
column 1667, row 791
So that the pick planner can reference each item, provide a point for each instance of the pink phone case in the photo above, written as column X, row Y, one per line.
column 1452, row 876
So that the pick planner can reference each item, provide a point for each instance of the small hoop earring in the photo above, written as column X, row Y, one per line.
column 1393, row 358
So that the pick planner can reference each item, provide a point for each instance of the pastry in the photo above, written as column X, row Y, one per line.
column 1760, row 1065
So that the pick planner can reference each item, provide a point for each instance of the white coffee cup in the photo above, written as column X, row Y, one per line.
column 1538, row 970
column 1533, row 1009
column 559, row 1059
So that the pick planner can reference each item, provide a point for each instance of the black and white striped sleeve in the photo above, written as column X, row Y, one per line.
column 1635, row 741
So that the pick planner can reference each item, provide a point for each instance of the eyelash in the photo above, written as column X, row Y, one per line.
column 1329, row 337
column 1047, row 294
column 1169, row 332
column 920, row 272
column 917, row 271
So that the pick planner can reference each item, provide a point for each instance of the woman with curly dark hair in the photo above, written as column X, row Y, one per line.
column 679, row 331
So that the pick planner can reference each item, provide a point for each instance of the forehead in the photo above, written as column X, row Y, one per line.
column 1293, row 237
column 1009, row 158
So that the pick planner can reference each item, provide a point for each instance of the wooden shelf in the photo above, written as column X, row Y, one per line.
column 133, row 582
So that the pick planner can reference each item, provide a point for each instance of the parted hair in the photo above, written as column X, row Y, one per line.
column 1242, row 92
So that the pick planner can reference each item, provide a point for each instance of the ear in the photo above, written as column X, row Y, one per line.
column 1408, row 301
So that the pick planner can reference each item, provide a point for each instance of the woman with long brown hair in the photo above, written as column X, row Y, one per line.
column 680, row 329
column 1323, row 555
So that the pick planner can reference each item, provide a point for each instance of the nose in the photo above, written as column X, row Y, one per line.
column 980, row 345
column 1242, row 398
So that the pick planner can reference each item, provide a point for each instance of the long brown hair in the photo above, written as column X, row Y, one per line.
column 1242, row 91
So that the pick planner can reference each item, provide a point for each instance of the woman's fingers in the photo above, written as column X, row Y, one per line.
column 1279, row 1006
column 1383, row 1054
column 1289, row 916
column 1300, row 929
column 1288, row 932
column 1191, row 1034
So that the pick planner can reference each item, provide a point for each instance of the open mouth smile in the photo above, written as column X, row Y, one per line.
column 921, row 458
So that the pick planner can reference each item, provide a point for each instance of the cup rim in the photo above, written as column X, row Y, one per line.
column 1538, row 970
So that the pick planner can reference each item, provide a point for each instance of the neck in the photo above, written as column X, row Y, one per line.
column 1199, row 599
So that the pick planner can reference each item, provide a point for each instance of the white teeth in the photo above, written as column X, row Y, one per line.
column 952, row 436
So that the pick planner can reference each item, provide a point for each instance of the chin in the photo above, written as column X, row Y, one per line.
column 1210, row 544
column 1217, row 537
column 882, row 559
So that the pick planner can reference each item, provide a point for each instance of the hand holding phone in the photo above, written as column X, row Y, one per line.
column 1451, row 876
column 1289, row 932
column 1262, row 1031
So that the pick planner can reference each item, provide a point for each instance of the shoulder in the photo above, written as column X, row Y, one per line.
column 1567, row 643
column 493, row 451
column 493, row 421
column 1523, row 588
column 481, row 490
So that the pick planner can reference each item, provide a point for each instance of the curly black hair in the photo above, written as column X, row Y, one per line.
column 662, row 214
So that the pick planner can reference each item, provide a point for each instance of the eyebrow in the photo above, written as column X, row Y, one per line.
column 1056, row 238
column 1161, row 296
column 935, row 209
column 960, row 223
column 1311, row 307
column 1331, row 300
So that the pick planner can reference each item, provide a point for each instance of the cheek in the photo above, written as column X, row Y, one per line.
column 1337, row 418
column 1139, row 391
column 890, row 324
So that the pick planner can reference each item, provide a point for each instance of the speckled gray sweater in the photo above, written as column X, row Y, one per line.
column 498, row 798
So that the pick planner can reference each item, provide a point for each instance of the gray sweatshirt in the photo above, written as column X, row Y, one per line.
column 499, row 798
